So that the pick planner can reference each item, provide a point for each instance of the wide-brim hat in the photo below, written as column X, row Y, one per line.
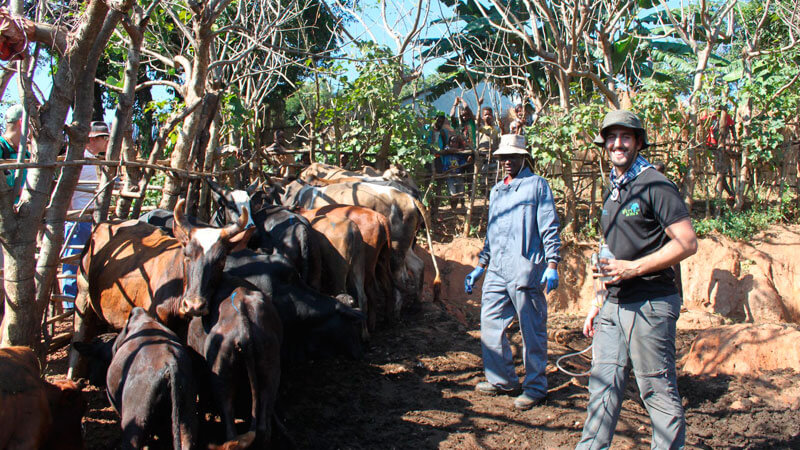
column 98, row 128
column 621, row 118
column 512, row 144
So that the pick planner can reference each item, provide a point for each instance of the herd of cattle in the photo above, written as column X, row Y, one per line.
column 207, row 315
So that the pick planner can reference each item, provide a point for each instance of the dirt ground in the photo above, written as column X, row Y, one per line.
column 415, row 389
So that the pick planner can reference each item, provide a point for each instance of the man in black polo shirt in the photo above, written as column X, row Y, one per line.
column 647, row 227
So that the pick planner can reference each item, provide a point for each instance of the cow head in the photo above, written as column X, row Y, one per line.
column 232, row 203
column 99, row 352
column 268, row 193
column 204, row 252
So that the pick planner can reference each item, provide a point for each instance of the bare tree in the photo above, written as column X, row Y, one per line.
column 28, row 280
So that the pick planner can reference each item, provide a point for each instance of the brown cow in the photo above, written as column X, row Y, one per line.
column 377, row 240
column 36, row 414
column 341, row 248
column 402, row 211
column 129, row 264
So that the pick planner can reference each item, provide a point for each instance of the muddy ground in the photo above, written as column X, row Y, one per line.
column 415, row 389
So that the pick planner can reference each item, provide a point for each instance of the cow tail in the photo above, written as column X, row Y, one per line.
column 175, row 398
column 249, row 353
column 426, row 218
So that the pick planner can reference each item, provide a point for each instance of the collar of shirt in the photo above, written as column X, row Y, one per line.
column 525, row 172
column 638, row 166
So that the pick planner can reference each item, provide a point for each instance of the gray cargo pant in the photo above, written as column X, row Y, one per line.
column 641, row 336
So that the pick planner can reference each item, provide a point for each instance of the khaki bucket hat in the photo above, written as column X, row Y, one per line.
column 621, row 118
column 512, row 144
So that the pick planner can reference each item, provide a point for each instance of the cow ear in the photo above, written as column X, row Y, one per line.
column 238, row 241
column 253, row 187
column 181, row 229
column 180, row 234
column 217, row 191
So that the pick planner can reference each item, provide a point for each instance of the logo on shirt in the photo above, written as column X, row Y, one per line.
column 632, row 210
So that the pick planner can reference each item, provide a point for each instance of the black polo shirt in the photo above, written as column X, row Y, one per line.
column 633, row 227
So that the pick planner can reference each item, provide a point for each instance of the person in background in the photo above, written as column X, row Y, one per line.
column 454, row 160
column 488, row 133
column 463, row 121
column 278, row 157
column 520, row 255
column 648, row 230
column 95, row 148
column 720, row 131
column 438, row 139
column 439, row 133
column 9, row 142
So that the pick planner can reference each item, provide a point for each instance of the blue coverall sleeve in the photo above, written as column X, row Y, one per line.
column 547, row 220
column 485, row 255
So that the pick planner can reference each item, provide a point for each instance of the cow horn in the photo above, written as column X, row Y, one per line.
column 215, row 186
column 234, row 228
column 252, row 188
column 180, row 217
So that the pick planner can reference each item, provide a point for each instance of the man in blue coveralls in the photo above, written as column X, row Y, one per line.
column 521, row 252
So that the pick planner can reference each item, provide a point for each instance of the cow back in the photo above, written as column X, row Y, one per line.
column 129, row 264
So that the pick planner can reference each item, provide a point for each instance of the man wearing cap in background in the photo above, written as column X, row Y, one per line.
column 647, row 227
column 95, row 148
column 521, row 252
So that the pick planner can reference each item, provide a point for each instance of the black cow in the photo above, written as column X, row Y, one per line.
column 150, row 384
column 277, row 229
column 240, row 339
column 99, row 353
column 315, row 325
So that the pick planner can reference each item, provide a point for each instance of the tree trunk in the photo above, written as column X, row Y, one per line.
column 195, row 89
column 744, row 164
column 28, row 282
column 131, row 177
column 470, row 202
column 208, row 166
column 198, row 153
column 123, row 117
column 382, row 159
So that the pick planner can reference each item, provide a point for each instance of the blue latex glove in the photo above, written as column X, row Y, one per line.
column 472, row 278
column 550, row 276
